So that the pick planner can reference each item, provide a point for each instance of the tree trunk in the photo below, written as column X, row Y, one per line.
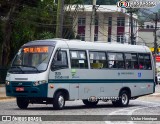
column 7, row 32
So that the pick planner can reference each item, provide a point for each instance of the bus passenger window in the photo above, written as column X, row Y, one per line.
column 147, row 61
column 131, row 61
column 141, row 60
column 61, row 63
column 111, row 60
column 135, row 65
column 78, row 59
column 116, row 60
column 98, row 60
column 141, row 66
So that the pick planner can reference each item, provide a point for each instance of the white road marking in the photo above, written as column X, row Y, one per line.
column 129, row 111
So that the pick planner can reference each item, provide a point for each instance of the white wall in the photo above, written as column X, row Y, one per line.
column 147, row 38
column 103, row 25
column 151, row 23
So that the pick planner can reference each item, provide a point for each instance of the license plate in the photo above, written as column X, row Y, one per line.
column 19, row 88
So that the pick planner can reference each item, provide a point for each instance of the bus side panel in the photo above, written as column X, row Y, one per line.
column 99, row 90
column 108, row 83
column 58, row 80
column 98, row 83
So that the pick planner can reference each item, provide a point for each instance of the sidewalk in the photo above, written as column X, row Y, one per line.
column 3, row 92
column 157, row 92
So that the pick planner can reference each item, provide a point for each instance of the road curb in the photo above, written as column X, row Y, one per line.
column 2, row 85
column 4, row 98
column 155, row 95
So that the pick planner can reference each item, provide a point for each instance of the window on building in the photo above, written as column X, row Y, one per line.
column 109, row 21
column 82, row 36
column 116, row 60
column 70, row 21
column 81, row 28
column 96, row 30
column 120, row 38
column 109, row 38
column 95, row 37
column 152, row 26
column 98, row 60
column 121, row 21
column 101, row 2
column 78, row 59
column 96, row 21
column 147, row 26
column 81, row 21
column 109, row 28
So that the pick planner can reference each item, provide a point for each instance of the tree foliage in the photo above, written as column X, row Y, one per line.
column 25, row 20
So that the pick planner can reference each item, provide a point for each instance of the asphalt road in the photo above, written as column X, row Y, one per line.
column 143, row 106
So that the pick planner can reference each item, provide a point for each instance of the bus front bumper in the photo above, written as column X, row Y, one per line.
column 26, row 89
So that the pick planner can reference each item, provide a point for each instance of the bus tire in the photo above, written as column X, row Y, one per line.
column 22, row 103
column 59, row 101
column 123, row 99
column 90, row 104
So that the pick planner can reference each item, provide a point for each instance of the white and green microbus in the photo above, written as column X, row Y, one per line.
column 53, row 71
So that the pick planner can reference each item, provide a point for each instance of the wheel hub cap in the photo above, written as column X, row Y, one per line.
column 124, row 99
column 61, row 101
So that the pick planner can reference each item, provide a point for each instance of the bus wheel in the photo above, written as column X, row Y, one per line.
column 22, row 103
column 123, row 99
column 90, row 104
column 59, row 101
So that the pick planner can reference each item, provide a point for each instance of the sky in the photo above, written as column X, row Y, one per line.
column 155, row 9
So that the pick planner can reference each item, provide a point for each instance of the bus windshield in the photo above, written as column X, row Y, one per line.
column 32, row 59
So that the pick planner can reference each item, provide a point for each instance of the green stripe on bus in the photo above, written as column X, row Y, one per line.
column 101, row 81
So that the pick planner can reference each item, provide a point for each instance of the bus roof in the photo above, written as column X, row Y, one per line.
column 99, row 46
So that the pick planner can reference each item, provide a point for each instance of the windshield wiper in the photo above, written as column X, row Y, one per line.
column 16, row 67
column 30, row 66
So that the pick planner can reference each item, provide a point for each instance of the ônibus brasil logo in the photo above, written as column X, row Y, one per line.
column 123, row 4
column 136, row 4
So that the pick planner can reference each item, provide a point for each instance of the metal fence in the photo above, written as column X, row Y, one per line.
column 3, row 73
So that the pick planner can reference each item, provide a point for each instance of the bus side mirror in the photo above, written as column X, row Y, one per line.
column 59, row 56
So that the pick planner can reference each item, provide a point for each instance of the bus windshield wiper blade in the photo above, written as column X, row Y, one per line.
column 31, row 67
column 17, row 67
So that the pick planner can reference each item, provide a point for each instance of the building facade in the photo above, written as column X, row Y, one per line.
column 146, row 34
column 112, row 24
column 151, row 25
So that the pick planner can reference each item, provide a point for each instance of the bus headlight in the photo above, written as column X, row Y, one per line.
column 39, row 82
column 7, row 83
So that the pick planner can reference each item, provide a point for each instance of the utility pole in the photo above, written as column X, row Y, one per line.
column 60, row 13
column 132, row 38
column 155, row 38
column 131, row 22
column 92, row 30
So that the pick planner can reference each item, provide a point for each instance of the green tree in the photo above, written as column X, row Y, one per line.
column 22, row 21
